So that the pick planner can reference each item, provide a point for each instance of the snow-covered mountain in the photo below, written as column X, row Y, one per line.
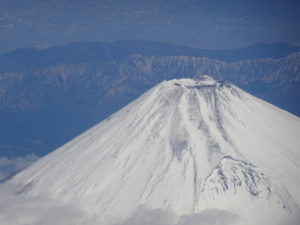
column 185, row 145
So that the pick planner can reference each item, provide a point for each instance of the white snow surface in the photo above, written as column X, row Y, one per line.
column 186, row 145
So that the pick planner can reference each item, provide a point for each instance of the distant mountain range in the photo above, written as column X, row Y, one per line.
column 82, row 52
column 49, row 96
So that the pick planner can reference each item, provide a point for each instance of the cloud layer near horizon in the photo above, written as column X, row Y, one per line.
column 40, row 210
column 10, row 166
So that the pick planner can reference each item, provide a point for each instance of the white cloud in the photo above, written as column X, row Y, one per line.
column 292, row 219
column 10, row 166
column 146, row 216
column 40, row 210
column 209, row 217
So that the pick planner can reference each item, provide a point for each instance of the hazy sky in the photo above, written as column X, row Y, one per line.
column 197, row 23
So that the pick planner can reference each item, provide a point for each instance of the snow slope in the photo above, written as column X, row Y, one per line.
column 186, row 145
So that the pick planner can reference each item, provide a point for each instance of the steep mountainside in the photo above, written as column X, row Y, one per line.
column 185, row 145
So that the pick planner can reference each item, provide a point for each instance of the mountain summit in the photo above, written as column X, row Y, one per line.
column 185, row 145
